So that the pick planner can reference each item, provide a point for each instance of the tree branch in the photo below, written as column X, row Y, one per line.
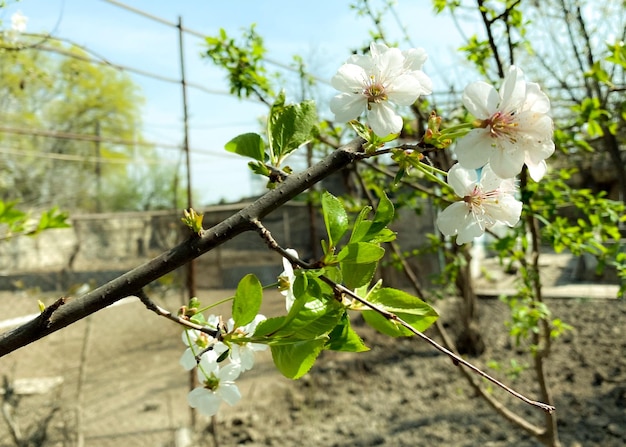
column 65, row 311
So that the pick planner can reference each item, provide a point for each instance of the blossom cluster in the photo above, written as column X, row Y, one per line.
column 18, row 26
column 512, row 129
column 209, row 355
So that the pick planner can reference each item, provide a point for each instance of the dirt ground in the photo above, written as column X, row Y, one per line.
column 400, row 393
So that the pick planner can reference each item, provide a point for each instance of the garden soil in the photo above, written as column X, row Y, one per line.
column 114, row 379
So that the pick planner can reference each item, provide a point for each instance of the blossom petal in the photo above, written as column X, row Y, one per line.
column 452, row 218
column 349, row 78
column 480, row 99
column 204, row 400
column 536, row 170
column 474, row 149
column 461, row 180
column 348, row 106
column 384, row 120
column 536, row 100
column 229, row 393
column 414, row 58
column 513, row 90
column 508, row 210
column 188, row 360
column 471, row 230
column 229, row 372
column 507, row 160
column 405, row 90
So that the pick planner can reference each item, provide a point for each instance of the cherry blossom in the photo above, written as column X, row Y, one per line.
column 242, row 353
column 372, row 82
column 18, row 22
column 286, row 279
column 217, row 385
column 197, row 341
column 486, row 199
column 513, row 127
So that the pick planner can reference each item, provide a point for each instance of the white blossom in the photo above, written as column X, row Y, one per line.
column 485, row 201
column 286, row 279
column 513, row 127
column 197, row 341
column 373, row 82
column 18, row 26
column 243, row 353
column 18, row 22
column 217, row 385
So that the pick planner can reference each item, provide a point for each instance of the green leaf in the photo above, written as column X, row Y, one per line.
column 335, row 218
column 247, row 300
column 270, row 326
column 289, row 127
column 408, row 307
column 358, row 275
column 361, row 225
column 248, row 145
column 295, row 359
column 384, row 214
column 358, row 263
column 344, row 338
column 360, row 253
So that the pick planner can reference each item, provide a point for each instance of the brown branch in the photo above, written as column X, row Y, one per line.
column 67, row 312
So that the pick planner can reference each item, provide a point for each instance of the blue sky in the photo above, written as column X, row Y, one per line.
column 323, row 32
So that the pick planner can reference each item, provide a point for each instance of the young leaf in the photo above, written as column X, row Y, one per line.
column 335, row 218
column 295, row 359
column 248, row 145
column 408, row 307
column 289, row 127
column 357, row 275
column 358, row 263
column 247, row 300
column 343, row 338
column 360, row 253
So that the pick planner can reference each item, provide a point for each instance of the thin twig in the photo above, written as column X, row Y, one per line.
column 151, row 305
column 456, row 359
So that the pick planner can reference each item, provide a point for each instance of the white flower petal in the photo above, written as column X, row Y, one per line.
column 480, row 99
column 188, row 360
column 461, row 180
column 414, row 58
column 206, row 401
column 538, row 170
column 405, row 90
column 474, row 149
column 452, row 218
column 506, row 163
column 229, row 372
column 349, row 78
column 508, row 210
column 229, row 393
column 513, row 90
column 384, row 120
column 348, row 106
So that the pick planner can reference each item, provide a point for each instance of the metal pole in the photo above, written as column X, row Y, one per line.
column 191, row 273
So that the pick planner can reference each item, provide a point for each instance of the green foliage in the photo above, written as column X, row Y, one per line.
column 243, row 61
column 478, row 52
column 193, row 220
column 14, row 222
column 585, row 231
column 247, row 145
column 289, row 127
column 61, row 91
column 335, row 218
column 247, row 300
column 411, row 309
